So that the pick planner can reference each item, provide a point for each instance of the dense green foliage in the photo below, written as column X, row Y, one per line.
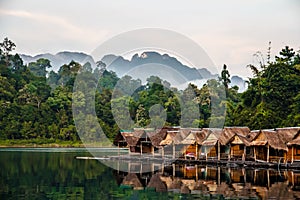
column 37, row 104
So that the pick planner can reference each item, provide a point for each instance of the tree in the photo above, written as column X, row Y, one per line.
column 225, row 76
column 39, row 68
column 6, row 47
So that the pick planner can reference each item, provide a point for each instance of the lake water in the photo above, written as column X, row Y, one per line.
column 56, row 174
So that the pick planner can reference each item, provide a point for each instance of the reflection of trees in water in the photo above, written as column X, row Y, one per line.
column 59, row 176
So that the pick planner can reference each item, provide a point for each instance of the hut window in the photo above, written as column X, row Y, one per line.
column 241, row 147
column 297, row 152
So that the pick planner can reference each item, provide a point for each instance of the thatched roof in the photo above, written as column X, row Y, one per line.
column 229, row 132
column 269, row 137
column 169, row 138
column 213, row 136
column 156, row 137
column 296, row 139
column 240, row 139
column 287, row 134
column 190, row 139
column 157, row 183
column 252, row 134
column 200, row 136
column 132, row 137
column 132, row 180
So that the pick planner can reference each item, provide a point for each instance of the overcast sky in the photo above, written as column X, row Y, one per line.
column 229, row 31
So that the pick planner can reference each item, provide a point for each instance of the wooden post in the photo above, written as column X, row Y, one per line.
column 163, row 152
column 244, row 154
column 129, row 166
column 268, row 153
column 218, row 150
column 152, row 150
column 118, row 166
column 196, row 151
column 268, row 176
column 173, row 167
column 118, row 148
column 254, row 153
column 184, row 171
column 174, row 150
column 196, row 172
column 292, row 154
column 219, row 175
column 141, row 147
column 185, row 148
column 229, row 153
column 129, row 152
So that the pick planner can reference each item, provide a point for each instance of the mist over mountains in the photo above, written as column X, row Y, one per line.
column 140, row 66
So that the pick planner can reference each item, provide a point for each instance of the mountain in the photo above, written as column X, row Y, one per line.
column 152, row 63
column 60, row 58
column 238, row 81
column 140, row 66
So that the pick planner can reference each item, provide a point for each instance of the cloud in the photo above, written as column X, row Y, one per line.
column 58, row 26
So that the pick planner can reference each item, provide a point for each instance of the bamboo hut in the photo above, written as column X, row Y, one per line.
column 268, row 146
column 137, row 140
column 193, row 143
column 293, row 153
column 234, row 141
column 172, row 142
column 191, row 146
column 211, row 144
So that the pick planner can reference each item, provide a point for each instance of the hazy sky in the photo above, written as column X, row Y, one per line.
column 229, row 31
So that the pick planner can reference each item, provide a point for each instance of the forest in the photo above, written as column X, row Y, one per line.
column 36, row 104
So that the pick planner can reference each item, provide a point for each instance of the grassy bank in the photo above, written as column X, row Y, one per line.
column 40, row 143
column 50, row 143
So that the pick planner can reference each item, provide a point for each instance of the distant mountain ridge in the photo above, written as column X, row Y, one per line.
column 139, row 66
column 61, row 58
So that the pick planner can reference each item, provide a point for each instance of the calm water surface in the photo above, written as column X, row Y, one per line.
column 56, row 174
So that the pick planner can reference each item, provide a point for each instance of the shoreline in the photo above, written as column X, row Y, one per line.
column 37, row 143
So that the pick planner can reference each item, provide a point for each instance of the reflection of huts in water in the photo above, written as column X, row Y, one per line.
column 211, row 145
column 268, row 146
column 292, row 138
column 294, row 180
column 133, row 180
column 157, row 183
column 234, row 142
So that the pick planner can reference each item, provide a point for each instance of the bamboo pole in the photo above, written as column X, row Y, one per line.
column 255, row 153
column 174, row 150
column 268, row 153
column 219, row 150
column 196, row 151
column 152, row 150
column 244, row 154
column 292, row 154
column 173, row 167
column 196, row 172
column 219, row 175
column 229, row 153
column 118, row 148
